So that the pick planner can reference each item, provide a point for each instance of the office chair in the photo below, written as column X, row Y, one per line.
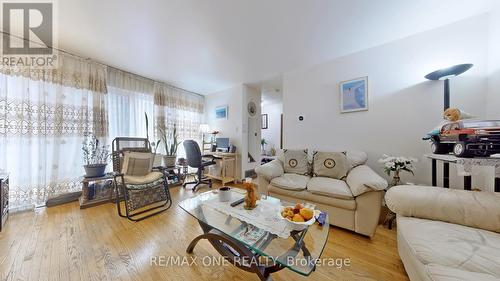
column 195, row 160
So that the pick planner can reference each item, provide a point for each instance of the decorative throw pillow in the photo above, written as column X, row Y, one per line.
column 296, row 161
column 330, row 164
column 137, row 163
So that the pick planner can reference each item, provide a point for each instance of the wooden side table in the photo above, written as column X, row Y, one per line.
column 390, row 216
column 4, row 199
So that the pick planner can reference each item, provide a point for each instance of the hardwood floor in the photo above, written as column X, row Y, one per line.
column 66, row 243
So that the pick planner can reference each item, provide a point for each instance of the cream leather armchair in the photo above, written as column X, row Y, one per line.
column 447, row 234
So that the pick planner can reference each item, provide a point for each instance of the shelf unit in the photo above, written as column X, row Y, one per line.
column 97, row 191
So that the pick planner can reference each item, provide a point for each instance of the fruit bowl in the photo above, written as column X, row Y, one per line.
column 298, row 225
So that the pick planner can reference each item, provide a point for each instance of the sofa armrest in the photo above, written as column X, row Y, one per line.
column 270, row 170
column 362, row 179
column 469, row 208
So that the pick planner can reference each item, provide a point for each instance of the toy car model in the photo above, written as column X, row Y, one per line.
column 468, row 138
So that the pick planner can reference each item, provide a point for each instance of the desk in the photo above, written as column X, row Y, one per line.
column 467, row 163
column 226, row 159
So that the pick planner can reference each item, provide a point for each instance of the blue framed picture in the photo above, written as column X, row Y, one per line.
column 354, row 95
column 221, row 112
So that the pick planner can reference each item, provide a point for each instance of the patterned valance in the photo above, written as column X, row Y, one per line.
column 69, row 70
column 171, row 97
column 130, row 82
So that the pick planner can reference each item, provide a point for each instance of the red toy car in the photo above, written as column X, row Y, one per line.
column 467, row 138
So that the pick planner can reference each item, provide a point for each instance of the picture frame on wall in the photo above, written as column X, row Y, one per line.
column 221, row 112
column 354, row 95
column 264, row 121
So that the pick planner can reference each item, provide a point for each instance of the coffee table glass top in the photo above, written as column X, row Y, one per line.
column 297, row 252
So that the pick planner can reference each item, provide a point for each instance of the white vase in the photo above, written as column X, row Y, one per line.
column 169, row 160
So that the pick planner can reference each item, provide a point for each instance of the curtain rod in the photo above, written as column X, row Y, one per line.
column 107, row 65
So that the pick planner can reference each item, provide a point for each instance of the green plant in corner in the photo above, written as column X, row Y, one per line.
column 154, row 145
column 147, row 125
column 263, row 143
column 171, row 143
column 170, row 140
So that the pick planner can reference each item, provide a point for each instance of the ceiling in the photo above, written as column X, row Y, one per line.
column 210, row 45
column 271, row 91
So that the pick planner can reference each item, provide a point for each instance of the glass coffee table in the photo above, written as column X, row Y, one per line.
column 253, row 248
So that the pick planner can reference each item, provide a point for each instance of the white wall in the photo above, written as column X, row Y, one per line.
column 236, row 126
column 493, row 107
column 251, row 129
column 403, row 106
column 272, row 133
column 232, row 126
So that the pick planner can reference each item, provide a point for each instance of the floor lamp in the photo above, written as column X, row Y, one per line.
column 445, row 74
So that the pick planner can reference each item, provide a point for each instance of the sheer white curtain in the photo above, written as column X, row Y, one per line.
column 41, row 130
column 179, row 107
column 126, row 113
column 129, row 97
column 44, row 115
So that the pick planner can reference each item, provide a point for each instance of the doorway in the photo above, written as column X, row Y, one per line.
column 272, row 121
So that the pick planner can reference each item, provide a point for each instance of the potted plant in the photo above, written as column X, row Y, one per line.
column 263, row 143
column 170, row 141
column 95, row 156
column 154, row 145
column 396, row 165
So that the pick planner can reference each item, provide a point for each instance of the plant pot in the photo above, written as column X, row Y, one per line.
column 169, row 160
column 95, row 170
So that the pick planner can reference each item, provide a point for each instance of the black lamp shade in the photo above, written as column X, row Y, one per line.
column 449, row 72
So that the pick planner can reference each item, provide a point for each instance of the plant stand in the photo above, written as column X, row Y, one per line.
column 97, row 191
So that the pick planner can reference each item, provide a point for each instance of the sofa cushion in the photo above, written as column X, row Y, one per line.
column 446, row 273
column 270, row 170
column 149, row 178
column 305, row 195
column 446, row 248
column 329, row 187
column 330, row 164
column 296, row 161
column 291, row 181
column 356, row 158
column 362, row 179
column 468, row 208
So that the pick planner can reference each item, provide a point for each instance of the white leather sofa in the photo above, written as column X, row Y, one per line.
column 446, row 234
column 353, row 203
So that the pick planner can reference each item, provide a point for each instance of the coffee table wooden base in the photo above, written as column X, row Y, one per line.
column 237, row 253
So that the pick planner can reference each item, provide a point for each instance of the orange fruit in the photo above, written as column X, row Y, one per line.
column 297, row 218
column 306, row 213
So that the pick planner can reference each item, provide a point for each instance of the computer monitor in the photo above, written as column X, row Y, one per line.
column 222, row 143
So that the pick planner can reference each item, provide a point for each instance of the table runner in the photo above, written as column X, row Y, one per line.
column 265, row 216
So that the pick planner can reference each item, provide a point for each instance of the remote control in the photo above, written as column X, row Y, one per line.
column 237, row 202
